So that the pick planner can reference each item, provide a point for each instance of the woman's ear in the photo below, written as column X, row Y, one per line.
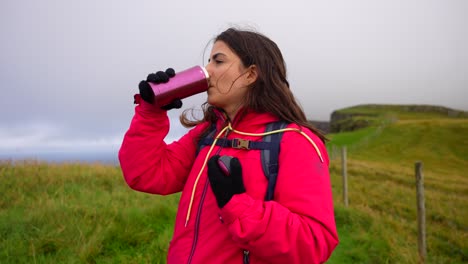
column 252, row 74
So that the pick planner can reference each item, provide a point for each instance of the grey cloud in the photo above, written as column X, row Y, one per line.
column 76, row 65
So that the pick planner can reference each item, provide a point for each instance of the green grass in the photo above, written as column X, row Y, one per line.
column 77, row 213
column 381, row 182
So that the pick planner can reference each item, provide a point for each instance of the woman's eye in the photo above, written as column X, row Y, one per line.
column 218, row 61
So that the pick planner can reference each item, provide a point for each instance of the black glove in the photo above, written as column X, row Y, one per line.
column 147, row 93
column 225, row 186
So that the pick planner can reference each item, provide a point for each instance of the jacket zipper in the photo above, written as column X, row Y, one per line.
column 246, row 257
column 197, row 223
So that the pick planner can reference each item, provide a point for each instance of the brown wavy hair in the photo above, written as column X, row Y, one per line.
column 270, row 92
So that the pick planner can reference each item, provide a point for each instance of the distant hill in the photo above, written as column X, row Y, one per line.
column 323, row 126
column 361, row 116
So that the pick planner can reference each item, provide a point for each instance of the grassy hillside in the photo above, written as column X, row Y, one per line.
column 382, row 192
column 72, row 213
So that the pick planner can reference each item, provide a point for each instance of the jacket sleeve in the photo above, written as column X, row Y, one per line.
column 147, row 162
column 299, row 225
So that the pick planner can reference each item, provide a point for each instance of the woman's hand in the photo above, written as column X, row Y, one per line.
column 147, row 94
column 225, row 186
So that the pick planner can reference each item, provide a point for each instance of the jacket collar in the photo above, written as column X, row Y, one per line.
column 245, row 120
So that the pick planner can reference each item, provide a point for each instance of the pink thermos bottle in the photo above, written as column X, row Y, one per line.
column 184, row 84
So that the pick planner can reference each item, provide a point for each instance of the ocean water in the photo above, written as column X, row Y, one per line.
column 105, row 157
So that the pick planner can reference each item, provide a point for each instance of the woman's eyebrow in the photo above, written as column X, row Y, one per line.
column 216, row 55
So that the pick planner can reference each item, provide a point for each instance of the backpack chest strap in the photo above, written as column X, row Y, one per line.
column 238, row 143
column 270, row 147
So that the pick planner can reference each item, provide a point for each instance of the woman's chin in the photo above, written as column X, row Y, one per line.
column 211, row 100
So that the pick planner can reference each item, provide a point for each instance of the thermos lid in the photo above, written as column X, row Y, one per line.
column 205, row 72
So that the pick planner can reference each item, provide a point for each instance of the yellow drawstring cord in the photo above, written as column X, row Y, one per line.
column 279, row 131
column 229, row 127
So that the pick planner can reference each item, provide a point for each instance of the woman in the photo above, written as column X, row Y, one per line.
column 225, row 218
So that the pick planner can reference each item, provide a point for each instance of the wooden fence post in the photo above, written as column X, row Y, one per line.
column 421, row 212
column 345, row 176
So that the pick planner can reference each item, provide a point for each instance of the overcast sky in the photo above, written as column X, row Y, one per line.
column 69, row 69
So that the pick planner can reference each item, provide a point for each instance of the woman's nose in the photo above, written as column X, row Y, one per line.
column 208, row 69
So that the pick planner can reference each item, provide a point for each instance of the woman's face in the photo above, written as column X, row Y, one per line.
column 229, row 79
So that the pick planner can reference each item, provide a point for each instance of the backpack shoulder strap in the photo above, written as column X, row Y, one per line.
column 270, row 156
column 208, row 135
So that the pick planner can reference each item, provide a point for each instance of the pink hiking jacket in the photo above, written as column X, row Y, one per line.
column 298, row 226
